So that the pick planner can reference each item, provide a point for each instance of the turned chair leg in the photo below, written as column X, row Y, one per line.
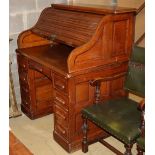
column 128, row 149
column 139, row 150
column 84, row 141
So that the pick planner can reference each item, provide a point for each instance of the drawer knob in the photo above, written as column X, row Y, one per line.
column 63, row 132
column 25, row 89
column 40, row 69
column 52, row 37
column 24, row 66
column 60, row 86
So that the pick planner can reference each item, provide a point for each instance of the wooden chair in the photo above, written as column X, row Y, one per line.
column 141, row 140
column 119, row 117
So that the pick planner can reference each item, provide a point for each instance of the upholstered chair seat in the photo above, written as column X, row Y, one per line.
column 119, row 117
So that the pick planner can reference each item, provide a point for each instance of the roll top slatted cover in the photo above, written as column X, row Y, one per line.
column 70, row 27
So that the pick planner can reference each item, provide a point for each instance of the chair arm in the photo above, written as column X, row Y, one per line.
column 97, row 81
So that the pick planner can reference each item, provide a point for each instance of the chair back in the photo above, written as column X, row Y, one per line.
column 135, row 80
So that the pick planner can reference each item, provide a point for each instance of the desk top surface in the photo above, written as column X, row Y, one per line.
column 120, row 3
column 54, row 57
column 97, row 9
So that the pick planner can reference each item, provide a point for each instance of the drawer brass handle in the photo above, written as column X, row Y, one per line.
column 60, row 100
column 52, row 37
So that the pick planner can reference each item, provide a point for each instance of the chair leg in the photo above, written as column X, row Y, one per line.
column 84, row 141
column 128, row 149
column 139, row 150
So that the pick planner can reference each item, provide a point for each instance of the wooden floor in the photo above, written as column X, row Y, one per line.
column 16, row 147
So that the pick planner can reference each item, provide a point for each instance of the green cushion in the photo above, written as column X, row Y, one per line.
column 141, row 142
column 119, row 117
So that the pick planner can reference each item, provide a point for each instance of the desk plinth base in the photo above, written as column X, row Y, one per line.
column 77, row 144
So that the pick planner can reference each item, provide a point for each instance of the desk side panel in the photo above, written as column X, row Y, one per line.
column 28, row 39
column 111, row 43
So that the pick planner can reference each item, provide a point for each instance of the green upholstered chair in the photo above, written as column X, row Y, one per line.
column 119, row 117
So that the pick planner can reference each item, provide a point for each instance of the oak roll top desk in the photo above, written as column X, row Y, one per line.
column 69, row 46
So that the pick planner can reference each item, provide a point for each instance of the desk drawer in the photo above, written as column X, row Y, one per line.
column 26, row 103
column 61, row 115
column 40, row 68
column 60, row 83
column 25, row 98
column 24, row 87
column 24, row 91
column 22, row 61
column 61, row 100
column 21, row 69
column 23, row 77
column 61, row 130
